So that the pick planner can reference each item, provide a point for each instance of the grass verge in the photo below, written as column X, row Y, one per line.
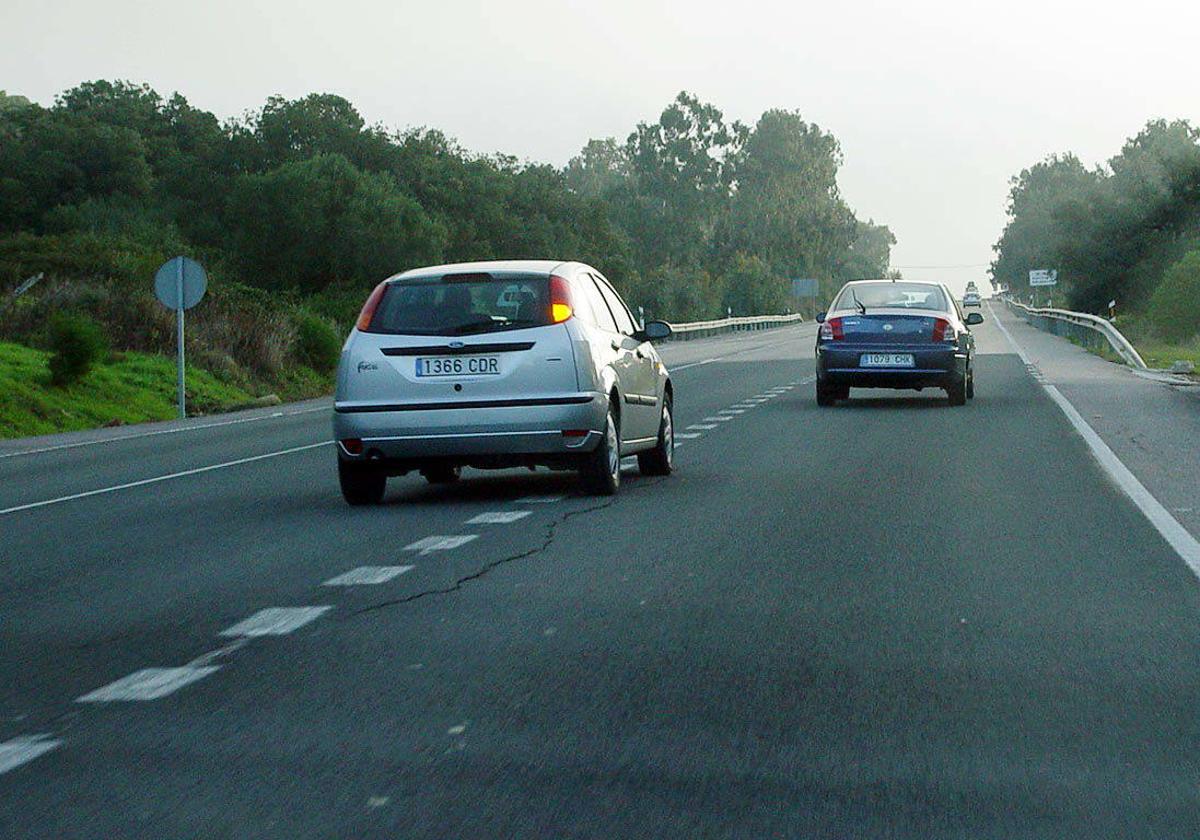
column 128, row 388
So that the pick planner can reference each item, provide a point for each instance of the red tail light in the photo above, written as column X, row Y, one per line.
column 368, row 310
column 561, row 305
column 832, row 330
column 353, row 445
column 943, row 331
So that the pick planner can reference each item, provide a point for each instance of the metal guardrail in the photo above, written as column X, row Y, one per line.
column 702, row 329
column 1089, row 330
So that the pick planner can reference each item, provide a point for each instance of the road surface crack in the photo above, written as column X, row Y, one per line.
column 548, row 540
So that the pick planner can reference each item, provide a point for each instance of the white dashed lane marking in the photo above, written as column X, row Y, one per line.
column 147, row 684
column 440, row 543
column 540, row 500
column 498, row 517
column 732, row 411
column 687, row 435
column 703, row 427
column 275, row 621
column 17, row 751
column 367, row 575
column 720, row 419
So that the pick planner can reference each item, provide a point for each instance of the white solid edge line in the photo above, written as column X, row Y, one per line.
column 1178, row 537
column 59, row 447
column 25, row 748
column 156, row 479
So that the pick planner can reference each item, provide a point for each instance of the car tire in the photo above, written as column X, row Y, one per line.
column 661, row 459
column 827, row 396
column 361, row 484
column 957, row 392
column 601, row 470
column 971, row 387
column 442, row 474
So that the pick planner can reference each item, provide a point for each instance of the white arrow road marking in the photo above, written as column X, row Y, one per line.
column 147, row 684
column 440, row 543
column 498, row 517
column 275, row 621
column 17, row 751
column 367, row 575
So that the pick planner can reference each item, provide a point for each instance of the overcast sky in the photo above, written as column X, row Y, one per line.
column 936, row 102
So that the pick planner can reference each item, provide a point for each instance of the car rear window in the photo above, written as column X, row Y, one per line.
column 463, row 304
column 902, row 295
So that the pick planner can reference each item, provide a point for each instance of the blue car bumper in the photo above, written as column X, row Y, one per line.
column 933, row 366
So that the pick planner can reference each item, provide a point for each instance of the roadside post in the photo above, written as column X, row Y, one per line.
column 179, row 284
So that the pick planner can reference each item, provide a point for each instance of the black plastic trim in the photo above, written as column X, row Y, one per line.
column 444, row 406
column 466, row 349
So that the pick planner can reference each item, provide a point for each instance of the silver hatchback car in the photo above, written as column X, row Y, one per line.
column 494, row 365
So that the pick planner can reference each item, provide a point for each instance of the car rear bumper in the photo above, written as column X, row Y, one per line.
column 472, row 430
column 934, row 367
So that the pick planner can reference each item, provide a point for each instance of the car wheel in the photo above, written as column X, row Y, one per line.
column 971, row 387
column 442, row 474
column 361, row 484
column 661, row 459
column 601, row 471
column 828, row 396
column 957, row 392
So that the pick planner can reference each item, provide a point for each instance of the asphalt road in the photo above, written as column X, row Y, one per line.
column 888, row 619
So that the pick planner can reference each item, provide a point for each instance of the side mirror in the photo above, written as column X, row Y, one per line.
column 653, row 331
column 820, row 317
column 974, row 318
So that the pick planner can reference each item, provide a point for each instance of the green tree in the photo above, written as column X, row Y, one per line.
column 682, row 174
column 787, row 209
column 1175, row 306
column 753, row 288
column 311, row 222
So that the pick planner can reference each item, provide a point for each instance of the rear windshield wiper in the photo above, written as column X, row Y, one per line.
column 862, row 308
column 490, row 324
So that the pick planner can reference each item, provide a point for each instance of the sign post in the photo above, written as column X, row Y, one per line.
column 179, row 284
column 806, row 288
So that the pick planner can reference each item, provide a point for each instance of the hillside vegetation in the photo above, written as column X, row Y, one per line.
column 298, row 208
column 1128, row 231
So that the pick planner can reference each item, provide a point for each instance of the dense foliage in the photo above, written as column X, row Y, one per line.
column 1113, row 233
column 77, row 344
column 689, row 215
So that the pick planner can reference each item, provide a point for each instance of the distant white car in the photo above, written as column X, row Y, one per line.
column 972, row 299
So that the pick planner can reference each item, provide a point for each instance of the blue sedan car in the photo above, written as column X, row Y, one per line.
column 895, row 334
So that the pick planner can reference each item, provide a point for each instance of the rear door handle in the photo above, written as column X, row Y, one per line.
column 616, row 345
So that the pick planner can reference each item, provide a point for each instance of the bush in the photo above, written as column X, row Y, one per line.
column 317, row 345
column 76, row 343
column 1175, row 306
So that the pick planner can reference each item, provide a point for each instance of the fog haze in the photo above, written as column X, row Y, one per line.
column 936, row 104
